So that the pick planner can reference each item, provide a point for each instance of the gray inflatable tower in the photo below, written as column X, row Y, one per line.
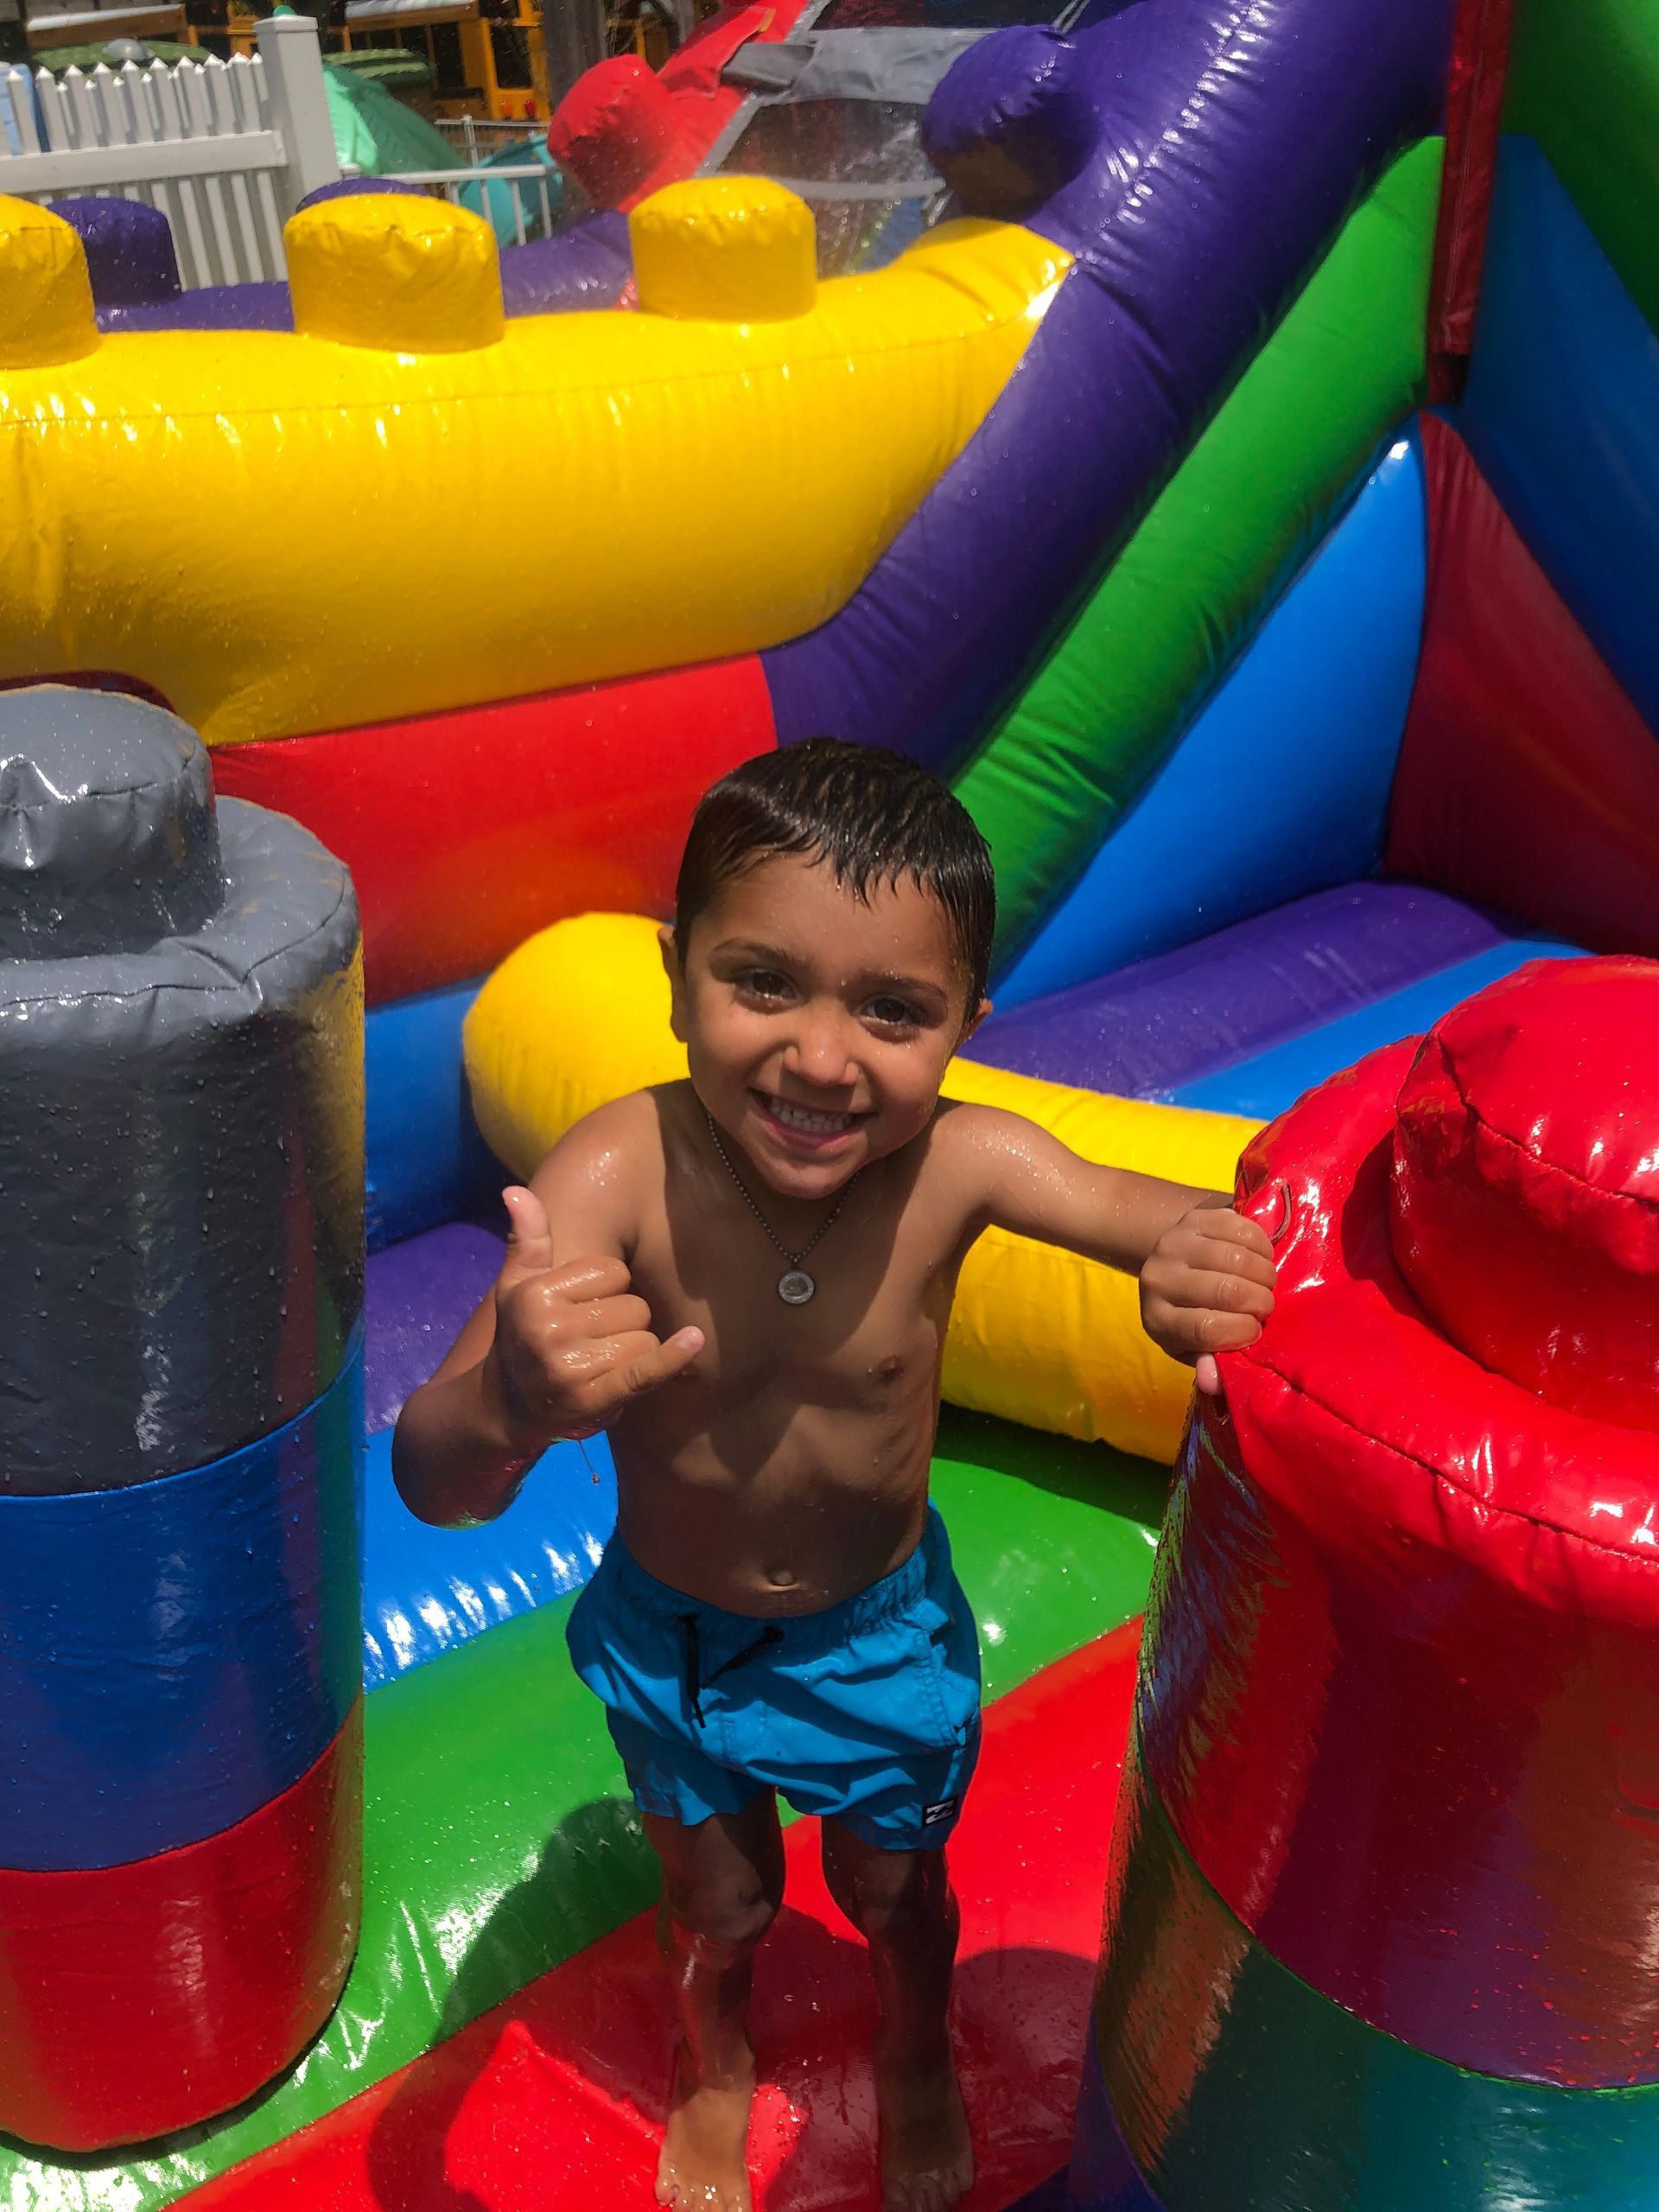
column 181, row 1165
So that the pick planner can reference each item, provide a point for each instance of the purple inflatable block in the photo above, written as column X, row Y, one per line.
column 1012, row 121
column 586, row 266
column 355, row 187
column 1234, row 139
column 210, row 307
column 416, row 1296
column 129, row 257
column 1165, row 1021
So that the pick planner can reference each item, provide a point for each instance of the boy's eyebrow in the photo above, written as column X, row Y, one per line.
column 752, row 949
column 916, row 986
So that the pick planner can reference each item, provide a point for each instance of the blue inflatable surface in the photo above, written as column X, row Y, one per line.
column 1287, row 769
column 427, row 1589
column 1561, row 411
column 1265, row 1085
column 426, row 1162
column 200, row 1650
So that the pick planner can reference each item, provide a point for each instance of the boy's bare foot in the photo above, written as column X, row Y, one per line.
column 702, row 2167
column 927, row 2157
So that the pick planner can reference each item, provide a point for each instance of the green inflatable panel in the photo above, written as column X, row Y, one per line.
column 1583, row 81
column 1239, row 2089
column 498, row 1839
column 1226, row 534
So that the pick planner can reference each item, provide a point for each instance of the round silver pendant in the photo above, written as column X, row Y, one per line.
column 796, row 1287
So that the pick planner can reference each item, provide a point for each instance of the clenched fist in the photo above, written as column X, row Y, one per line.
column 1207, row 1287
column 573, row 1344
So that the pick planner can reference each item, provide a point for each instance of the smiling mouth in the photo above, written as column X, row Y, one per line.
column 808, row 1120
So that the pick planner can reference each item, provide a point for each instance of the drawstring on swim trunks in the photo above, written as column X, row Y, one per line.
column 695, row 1681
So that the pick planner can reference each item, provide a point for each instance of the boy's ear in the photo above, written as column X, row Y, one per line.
column 676, row 975
column 972, row 1021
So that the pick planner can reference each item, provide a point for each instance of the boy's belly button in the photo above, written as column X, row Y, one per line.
column 782, row 1577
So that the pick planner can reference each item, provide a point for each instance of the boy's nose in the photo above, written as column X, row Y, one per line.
column 821, row 1052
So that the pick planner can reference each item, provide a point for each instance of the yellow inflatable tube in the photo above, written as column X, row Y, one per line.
column 414, row 503
column 579, row 1015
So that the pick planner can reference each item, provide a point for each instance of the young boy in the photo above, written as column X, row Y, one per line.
column 745, row 1278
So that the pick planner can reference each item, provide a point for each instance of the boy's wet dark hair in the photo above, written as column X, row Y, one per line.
column 874, row 817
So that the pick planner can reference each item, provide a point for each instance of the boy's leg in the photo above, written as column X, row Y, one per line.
column 902, row 1903
column 723, row 1883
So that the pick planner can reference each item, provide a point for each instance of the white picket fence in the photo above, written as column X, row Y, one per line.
column 225, row 149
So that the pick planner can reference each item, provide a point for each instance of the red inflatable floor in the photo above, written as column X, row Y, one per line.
column 556, row 2098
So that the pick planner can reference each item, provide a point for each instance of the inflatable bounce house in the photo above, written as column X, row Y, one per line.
column 1217, row 434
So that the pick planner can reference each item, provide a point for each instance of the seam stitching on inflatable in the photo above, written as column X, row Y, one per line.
column 221, row 983
column 1535, row 1160
column 1450, row 1482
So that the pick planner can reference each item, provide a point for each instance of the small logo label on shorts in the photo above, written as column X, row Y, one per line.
column 932, row 1815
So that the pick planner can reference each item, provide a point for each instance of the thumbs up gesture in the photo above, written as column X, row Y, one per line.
column 572, row 1344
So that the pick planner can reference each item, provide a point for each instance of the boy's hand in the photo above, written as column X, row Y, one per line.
column 573, row 1345
column 1207, row 1287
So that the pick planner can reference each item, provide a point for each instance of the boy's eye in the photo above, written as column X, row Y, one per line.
column 894, row 1013
column 763, row 983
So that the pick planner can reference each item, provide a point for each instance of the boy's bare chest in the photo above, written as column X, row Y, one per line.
column 876, row 1317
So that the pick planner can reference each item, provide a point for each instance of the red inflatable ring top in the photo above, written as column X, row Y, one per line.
column 1400, row 1694
column 1526, row 1184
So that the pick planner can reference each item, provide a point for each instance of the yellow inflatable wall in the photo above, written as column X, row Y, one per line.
column 414, row 503
column 579, row 1015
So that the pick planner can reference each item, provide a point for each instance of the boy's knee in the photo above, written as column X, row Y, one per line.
column 891, row 1895
column 722, row 1916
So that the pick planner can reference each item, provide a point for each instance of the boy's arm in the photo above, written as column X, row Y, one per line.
column 560, row 1346
column 1206, row 1274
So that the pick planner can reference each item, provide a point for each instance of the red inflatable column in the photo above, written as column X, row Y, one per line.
column 1402, row 1700
column 1379, row 1928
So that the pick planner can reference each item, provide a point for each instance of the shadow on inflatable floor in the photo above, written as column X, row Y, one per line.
column 564, row 2101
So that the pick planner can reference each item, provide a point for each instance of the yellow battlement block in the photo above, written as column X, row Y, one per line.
column 46, row 296
column 405, row 274
column 726, row 249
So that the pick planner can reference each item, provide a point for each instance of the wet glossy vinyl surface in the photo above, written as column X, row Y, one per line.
column 556, row 2100
column 182, row 1149
column 175, row 1652
column 150, row 1996
column 1239, row 2089
column 1525, row 1202
column 1399, row 1697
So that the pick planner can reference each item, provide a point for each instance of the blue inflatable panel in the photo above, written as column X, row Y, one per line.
column 1266, row 1084
column 1561, row 411
column 426, row 1162
column 175, row 1654
column 427, row 1589
column 1103, row 2176
column 1282, row 785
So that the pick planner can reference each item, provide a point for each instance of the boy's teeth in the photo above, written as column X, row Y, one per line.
column 803, row 1117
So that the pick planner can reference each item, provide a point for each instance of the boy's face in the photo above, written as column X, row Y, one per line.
column 817, row 1026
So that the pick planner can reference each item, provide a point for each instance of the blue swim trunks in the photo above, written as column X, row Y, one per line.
column 867, row 1713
